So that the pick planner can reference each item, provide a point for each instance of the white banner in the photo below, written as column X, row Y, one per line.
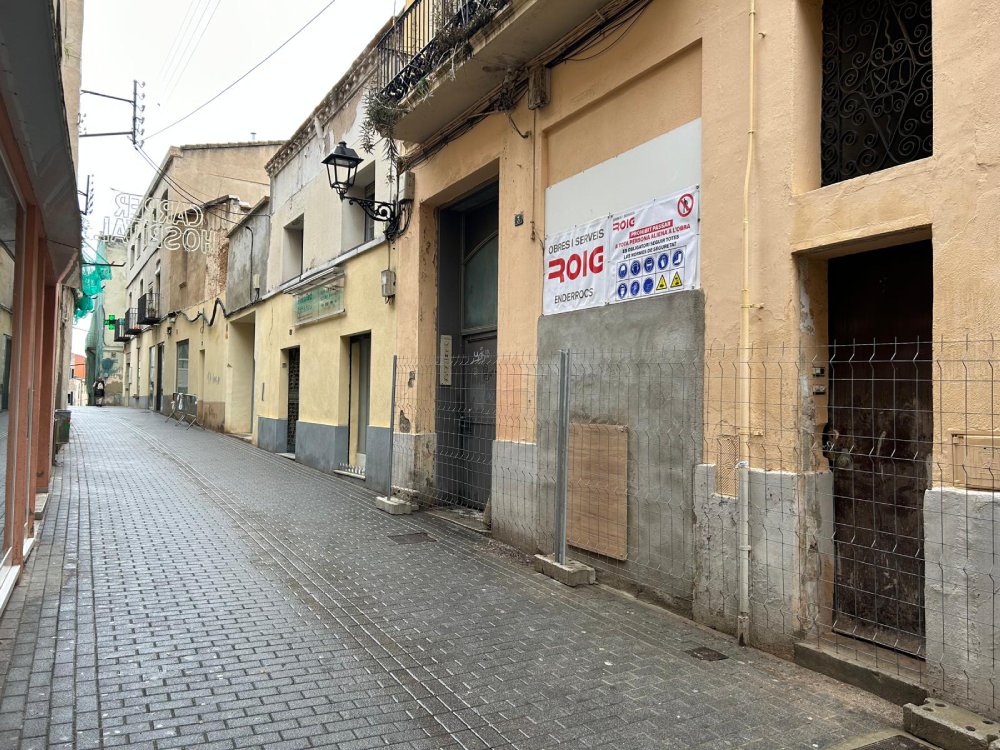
column 575, row 274
column 654, row 248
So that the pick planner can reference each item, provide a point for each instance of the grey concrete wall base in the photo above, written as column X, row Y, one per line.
column 715, row 596
column 949, row 727
column 413, row 464
column 393, row 506
column 960, row 599
column 272, row 434
column 377, row 458
column 321, row 446
column 852, row 671
column 785, row 595
column 573, row 573
column 664, row 373
column 513, row 500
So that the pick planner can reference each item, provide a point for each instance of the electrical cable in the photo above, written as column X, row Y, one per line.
column 168, row 59
column 184, row 34
column 630, row 20
column 182, row 70
column 231, row 85
column 189, row 194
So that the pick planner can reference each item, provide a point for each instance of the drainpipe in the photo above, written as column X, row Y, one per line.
column 250, row 229
column 743, row 620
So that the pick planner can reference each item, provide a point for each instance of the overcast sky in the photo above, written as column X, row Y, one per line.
column 186, row 51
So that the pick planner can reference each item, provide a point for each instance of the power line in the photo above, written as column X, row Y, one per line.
column 181, row 70
column 167, row 65
column 172, row 182
column 231, row 85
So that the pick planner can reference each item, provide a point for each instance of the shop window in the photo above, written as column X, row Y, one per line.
column 877, row 86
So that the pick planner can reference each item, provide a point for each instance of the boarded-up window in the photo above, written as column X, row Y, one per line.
column 597, row 490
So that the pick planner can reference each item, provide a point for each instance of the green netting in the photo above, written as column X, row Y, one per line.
column 93, row 275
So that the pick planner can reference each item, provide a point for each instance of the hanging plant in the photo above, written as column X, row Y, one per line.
column 381, row 116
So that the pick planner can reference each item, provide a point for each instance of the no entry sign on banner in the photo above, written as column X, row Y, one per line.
column 644, row 252
column 575, row 275
column 654, row 248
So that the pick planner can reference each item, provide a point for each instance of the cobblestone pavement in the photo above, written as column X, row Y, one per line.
column 190, row 590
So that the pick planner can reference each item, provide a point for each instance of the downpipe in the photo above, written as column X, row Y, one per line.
column 743, row 619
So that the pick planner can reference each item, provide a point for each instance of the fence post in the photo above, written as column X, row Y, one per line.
column 392, row 425
column 562, row 458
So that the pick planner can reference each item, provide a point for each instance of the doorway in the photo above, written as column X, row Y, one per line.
column 293, row 398
column 159, row 377
column 879, row 437
column 360, row 406
column 467, row 322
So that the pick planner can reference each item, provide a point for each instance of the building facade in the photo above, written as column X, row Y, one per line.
column 40, row 233
column 176, row 236
column 106, row 357
column 761, row 232
column 323, row 332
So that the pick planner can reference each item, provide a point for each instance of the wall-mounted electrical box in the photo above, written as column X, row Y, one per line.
column 388, row 283
column 976, row 460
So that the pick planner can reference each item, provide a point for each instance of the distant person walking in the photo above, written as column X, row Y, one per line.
column 99, row 392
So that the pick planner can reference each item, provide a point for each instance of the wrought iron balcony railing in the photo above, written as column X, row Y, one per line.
column 427, row 35
column 120, row 334
column 132, row 326
column 149, row 309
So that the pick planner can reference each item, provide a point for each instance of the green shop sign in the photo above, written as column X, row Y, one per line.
column 318, row 303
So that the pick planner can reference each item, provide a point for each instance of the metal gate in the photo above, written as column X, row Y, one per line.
column 293, row 396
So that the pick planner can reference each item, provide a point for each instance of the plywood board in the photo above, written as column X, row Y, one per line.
column 597, row 490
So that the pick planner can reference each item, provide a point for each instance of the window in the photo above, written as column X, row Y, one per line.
column 369, row 221
column 182, row 367
column 292, row 257
column 355, row 227
column 877, row 86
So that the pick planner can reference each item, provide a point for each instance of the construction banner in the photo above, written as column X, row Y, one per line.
column 654, row 248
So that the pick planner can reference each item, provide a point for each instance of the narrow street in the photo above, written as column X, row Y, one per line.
column 190, row 590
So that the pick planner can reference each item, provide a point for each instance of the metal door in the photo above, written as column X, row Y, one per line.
column 477, row 423
column 293, row 396
column 878, row 440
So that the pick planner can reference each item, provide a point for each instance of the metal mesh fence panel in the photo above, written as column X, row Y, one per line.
column 841, row 498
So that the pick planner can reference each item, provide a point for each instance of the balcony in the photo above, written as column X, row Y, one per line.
column 149, row 309
column 443, row 56
column 132, row 327
column 120, row 334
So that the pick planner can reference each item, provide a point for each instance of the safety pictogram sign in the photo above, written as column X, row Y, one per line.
column 658, row 243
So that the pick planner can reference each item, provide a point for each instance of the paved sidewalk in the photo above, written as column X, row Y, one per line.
column 192, row 591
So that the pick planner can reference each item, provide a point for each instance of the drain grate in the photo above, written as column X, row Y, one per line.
column 706, row 654
column 899, row 742
column 416, row 538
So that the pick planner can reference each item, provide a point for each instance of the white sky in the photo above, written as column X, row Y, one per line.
column 142, row 39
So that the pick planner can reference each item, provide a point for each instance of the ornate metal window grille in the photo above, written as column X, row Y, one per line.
column 877, row 85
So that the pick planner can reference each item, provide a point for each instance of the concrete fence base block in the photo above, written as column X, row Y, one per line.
column 573, row 573
column 393, row 506
column 41, row 499
column 950, row 727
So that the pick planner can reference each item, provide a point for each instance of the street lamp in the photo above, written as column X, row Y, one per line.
column 342, row 169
